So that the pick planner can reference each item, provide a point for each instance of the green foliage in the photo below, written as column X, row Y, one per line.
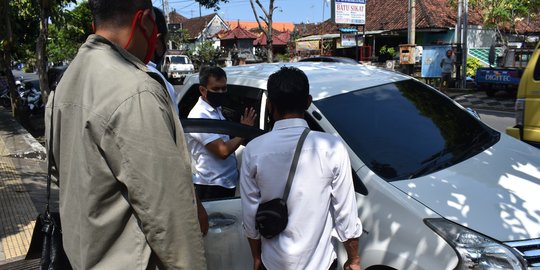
column 25, row 27
column 179, row 37
column 282, row 57
column 211, row 3
column 67, row 36
column 472, row 65
column 498, row 13
column 388, row 51
column 204, row 54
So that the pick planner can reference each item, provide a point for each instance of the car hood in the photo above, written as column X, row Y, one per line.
column 496, row 192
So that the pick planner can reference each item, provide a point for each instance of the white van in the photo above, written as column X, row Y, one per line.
column 436, row 187
column 177, row 66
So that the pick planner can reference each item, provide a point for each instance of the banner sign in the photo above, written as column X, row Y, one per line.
column 349, row 11
column 310, row 45
column 348, row 40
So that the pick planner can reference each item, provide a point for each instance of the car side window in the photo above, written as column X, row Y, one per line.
column 537, row 70
column 238, row 99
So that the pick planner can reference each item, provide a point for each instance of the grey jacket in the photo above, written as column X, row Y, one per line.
column 126, row 197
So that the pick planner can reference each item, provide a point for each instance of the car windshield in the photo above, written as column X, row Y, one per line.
column 180, row 60
column 406, row 129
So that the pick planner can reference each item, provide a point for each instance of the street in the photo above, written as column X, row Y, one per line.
column 498, row 120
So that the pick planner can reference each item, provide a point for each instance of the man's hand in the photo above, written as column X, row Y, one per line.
column 203, row 217
column 257, row 264
column 352, row 264
column 249, row 117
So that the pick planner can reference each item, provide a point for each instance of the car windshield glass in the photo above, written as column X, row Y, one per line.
column 406, row 129
column 179, row 60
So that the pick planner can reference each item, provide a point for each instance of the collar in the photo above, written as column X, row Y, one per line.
column 205, row 105
column 152, row 64
column 290, row 123
column 97, row 40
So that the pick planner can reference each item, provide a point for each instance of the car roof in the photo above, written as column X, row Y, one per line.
column 325, row 79
column 329, row 59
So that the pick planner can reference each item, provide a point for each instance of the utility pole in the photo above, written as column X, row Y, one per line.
column 459, row 44
column 411, row 35
column 322, row 40
column 412, row 22
column 465, row 29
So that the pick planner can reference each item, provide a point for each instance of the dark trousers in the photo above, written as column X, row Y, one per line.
column 205, row 192
column 333, row 266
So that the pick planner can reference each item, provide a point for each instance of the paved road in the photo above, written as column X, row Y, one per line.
column 498, row 120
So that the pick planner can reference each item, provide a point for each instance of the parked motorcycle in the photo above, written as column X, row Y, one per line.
column 30, row 96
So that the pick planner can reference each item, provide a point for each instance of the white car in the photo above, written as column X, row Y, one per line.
column 436, row 187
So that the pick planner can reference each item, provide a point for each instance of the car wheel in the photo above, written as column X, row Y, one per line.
column 490, row 92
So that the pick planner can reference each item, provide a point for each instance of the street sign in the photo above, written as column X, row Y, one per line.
column 349, row 11
column 348, row 40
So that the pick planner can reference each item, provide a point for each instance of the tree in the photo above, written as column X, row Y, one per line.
column 267, row 19
column 179, row 37
column 66, row 38
column 48, row 10
column 500, row 14
column 204, row 54
column 211, row 3
column 18, row 26
column 268, row 14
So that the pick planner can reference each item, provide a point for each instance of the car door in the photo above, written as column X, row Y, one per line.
column 226, row 247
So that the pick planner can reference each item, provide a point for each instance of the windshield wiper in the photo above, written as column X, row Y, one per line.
column 431, row 163
column 473, row 145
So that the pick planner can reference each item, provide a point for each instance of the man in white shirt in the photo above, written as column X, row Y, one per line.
column 321, row 199
column 215, row 172
column 161, row 48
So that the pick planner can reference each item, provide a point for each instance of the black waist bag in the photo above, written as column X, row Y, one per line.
column 272, row 216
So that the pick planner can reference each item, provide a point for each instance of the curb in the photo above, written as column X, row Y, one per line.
column 19, row 142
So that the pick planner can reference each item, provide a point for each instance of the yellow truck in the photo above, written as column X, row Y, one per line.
column 527, row 126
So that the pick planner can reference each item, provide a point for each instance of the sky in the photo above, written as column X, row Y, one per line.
column 295, row 11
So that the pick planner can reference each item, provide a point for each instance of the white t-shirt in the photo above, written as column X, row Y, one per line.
column 170, row 88
column 209, row 169
column 322, row 185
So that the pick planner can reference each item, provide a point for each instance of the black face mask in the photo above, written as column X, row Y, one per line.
column 215, row 98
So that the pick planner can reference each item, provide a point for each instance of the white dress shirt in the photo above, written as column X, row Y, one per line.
column 170, row 88
column 322, row 188
column 208, row 168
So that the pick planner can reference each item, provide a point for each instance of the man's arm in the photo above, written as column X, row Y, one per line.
column 203, row 216
column 353, row 259
column 223, row 149
column 139, row 144
column 347, row 223
column 250, row 197
column 255, row 246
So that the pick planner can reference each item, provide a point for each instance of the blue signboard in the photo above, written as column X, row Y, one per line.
column 431, row 60
column 497, row 76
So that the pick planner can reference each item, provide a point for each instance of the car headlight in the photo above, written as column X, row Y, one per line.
column 475, row 250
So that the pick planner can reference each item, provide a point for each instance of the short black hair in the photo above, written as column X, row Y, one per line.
column 210, row 71
column 288, row 90
column 161, row 24
column 116, row 12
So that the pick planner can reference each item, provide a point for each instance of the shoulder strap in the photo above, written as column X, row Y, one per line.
column 294, row 164
column 50, row 159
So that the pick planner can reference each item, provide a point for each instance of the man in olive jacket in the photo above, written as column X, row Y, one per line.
column 126, row 197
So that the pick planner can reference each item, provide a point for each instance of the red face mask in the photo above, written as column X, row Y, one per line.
column 151, row 40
